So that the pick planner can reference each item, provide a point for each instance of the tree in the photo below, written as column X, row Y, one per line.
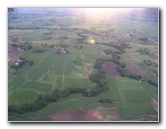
column 11, row 108
column 31, row 63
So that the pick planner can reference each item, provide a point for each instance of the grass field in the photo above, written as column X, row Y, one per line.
column 149, row 76
column 27, row 96
column 153, row 91
column 127, row 90
column 16, row 82
column 37, row 57
column 41, row 87
column 37, row 73
column 78, row 82
column 113, row 89
column 134, row 110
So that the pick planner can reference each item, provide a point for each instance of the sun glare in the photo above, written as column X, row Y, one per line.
column 96, row 14
column 111, row 10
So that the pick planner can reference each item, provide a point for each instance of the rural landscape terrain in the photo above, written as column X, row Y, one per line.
column 83, row 64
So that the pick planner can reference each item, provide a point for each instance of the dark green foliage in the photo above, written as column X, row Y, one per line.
column 14, row 39
column 77, row 90
column 120, row 64
column 24, row 46
column 98, row 77
column 108, row 52
column 143, row 39
column 113, row 53
column 143, row 51
column 21, row 62
column 151, row 79
column 150, row 63
column 120, row 46
column 40, row 102
column 77, row 62
column 99, row 62
column 31, row 63
column 39, row 50
column 155, row 72
column 105, row 100
column 152, row 83
column 121, row 67
column 82, row 38
column 116, row 57
column 11, row 108
column 78, row 47
column 125, row 73
column 133, row 76
column 63, row 45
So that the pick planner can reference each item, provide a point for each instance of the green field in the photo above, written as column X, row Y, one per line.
column 133, row 92
column 149, row 76
column 41, row 87
column 54, row 66
column 153, row 91
column 127, row 90
column 27, row 96
column 77, row 82
column 134, row 110
column 16, row 82
column 113, row 89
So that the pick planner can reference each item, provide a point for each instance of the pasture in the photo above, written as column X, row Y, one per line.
column 78, row 82
column 41, row 87
column 150, row 76
column 27, row 96
column 126, row 90
column 16, row 82
column 134, row 110
column 153, row 91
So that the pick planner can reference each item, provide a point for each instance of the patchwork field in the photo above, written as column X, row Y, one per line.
column 71, row 65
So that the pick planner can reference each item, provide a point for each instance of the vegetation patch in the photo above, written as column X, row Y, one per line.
column 16, row 82
column 134, row 110
column 151, row 79
column 42, row 87
column 113, row 91
column 137, row 96
column 78, row 82
column 20, row 97
column 153, row 91
column 131, row 90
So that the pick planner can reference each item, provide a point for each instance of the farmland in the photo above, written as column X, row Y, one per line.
column 66, row 61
